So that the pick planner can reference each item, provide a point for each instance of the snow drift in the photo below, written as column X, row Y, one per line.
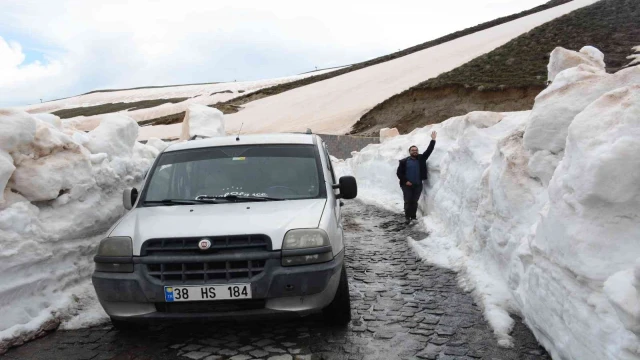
column 60, row 191
column 562, row 59
column 386, row 133
column 204, row 121
column 539, row 211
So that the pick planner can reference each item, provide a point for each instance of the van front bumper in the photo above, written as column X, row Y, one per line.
column 299, row 290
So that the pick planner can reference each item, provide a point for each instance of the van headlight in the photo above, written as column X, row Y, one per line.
column 306, row 246
column 115, row 254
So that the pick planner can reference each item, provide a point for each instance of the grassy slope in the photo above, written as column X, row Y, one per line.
column 609, row 25
column 613, row 26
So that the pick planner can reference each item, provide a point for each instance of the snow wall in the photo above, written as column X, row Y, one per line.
column 60, row 191
column 538, row 211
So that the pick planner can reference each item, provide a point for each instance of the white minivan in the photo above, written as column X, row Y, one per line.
column 230, row 227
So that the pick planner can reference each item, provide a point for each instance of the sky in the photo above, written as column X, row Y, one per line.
column 51, row 49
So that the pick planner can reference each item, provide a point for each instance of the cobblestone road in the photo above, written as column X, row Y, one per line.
column 402, row 309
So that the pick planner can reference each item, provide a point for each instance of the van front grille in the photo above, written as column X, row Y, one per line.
column 189, row 246
column 230, row 258
column 206, row 271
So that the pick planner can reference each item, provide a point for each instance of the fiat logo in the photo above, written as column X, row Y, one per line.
column 204, row 244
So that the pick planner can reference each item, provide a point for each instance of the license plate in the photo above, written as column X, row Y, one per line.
column 207, row 293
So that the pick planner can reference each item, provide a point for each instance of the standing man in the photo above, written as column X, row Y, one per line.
column 411, row 172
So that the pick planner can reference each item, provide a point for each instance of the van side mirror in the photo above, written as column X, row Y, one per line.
column 348, row 187
column 129, row 198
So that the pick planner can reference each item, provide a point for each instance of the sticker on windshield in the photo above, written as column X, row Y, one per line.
column 241, row 158
column 242, row 193
column 235, row 193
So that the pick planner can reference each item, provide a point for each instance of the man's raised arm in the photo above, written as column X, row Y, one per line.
column 432, row 145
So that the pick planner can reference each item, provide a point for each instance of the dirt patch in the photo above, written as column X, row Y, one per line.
column 222, row 92
column 421, row 107
column 149, row 87
column 226, row 108
column 164, row 120
column 114, row 107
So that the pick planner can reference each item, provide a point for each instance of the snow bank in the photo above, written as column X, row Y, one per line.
column 16, row 129
column 50, row 165
column 115, row 136
column 587, row 235
column 545, row 229
column 572, row 91
column 201, row 120
column 6, row 170
column 61, row 190
column 49, row 118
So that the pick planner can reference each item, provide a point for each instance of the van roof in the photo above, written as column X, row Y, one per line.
column 244, row 140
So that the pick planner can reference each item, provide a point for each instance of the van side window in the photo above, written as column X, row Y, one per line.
column 329, row 165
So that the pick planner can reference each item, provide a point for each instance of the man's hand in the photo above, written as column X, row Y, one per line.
column 433, row 135
column 409, row 183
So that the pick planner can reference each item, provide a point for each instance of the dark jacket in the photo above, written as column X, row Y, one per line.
column 402, row 167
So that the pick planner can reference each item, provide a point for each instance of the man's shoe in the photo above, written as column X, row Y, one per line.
column 407, row 221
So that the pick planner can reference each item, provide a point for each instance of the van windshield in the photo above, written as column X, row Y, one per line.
column 268, row 171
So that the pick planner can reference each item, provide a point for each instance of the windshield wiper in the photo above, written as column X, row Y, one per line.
column 238, row 198
column 169, row 202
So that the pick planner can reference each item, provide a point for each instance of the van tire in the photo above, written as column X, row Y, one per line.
column 125, row 326
column 339, row 310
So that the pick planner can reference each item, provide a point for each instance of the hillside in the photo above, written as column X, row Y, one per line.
column 331, row 102
column 334, row 105
column 235, row 104
column 151, row 102
column 509, row 77
column 354, row 67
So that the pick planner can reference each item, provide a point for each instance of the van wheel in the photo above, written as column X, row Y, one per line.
column 123, row 326
column 339, row 310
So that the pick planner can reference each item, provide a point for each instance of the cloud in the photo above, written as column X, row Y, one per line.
column 16, row 77
column 95, row 44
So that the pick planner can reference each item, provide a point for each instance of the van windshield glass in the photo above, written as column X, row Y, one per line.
column 269, row 171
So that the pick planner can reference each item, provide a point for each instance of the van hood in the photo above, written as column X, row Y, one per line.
column 272, row 218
